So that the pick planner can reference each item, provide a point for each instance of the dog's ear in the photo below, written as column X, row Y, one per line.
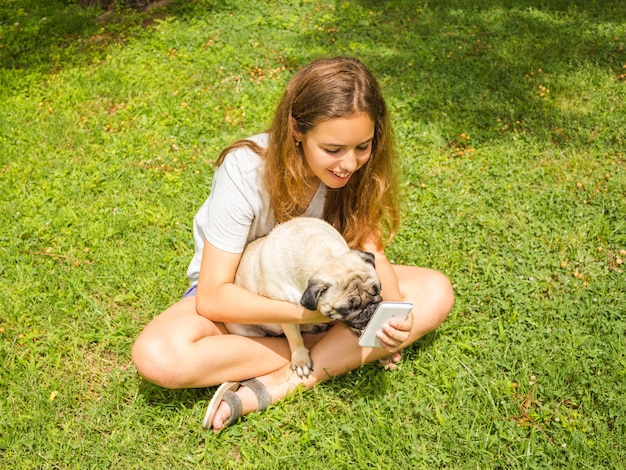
column 367, row 257
column 312, row 294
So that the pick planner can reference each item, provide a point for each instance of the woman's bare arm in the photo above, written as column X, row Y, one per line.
column 218, row 299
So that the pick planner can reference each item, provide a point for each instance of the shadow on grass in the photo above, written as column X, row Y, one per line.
column 43, row 37
column 188, row 397
column 502, row 76
column 606, row 10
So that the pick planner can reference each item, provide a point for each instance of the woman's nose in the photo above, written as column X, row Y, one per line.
column 349, row 162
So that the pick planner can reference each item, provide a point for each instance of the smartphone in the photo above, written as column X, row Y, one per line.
column 384, row 312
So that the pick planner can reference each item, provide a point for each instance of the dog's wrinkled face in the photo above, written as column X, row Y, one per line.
column 346, row 289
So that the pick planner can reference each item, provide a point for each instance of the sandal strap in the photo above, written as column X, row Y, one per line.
column 234, row 402
column 262, row 393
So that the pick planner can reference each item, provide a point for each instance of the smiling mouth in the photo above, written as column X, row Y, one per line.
column 342, row 176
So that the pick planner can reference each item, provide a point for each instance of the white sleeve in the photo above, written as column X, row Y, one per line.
column 237, row 210
column 227, row 215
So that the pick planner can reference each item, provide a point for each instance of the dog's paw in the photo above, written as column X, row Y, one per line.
column 391, row 362
column 301, row 363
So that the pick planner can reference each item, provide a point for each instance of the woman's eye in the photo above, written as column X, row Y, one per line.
column 332, row 152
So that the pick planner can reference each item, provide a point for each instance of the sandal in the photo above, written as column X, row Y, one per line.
column 226, row 392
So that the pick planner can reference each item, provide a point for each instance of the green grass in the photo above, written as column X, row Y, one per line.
column 511, row 122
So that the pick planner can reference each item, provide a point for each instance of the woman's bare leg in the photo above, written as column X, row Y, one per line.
column 338, row 351
column 181, row 349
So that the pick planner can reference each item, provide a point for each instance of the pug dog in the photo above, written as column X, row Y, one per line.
column 307, row 261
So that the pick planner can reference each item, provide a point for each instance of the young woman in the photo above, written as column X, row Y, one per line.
column 328, row 154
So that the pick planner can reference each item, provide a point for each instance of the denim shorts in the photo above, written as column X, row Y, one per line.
column 191, row 291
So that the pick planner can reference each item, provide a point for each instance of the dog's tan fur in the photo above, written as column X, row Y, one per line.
column 307, row 261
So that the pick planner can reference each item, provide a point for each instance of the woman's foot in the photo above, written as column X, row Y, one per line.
column 233, row 400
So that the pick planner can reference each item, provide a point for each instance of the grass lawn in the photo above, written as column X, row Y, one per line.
column 511, row 121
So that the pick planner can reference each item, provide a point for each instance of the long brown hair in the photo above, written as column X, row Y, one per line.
column 327, row 89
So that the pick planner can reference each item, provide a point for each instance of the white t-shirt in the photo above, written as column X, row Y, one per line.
column 238, row 210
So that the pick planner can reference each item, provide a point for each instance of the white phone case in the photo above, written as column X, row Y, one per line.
column 384, row 312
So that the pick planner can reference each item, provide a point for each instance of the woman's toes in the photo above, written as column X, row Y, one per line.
column 221, row 416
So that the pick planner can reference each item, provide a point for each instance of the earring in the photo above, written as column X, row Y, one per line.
column 297, row 143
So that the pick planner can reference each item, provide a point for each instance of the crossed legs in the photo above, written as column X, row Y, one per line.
column 181, row 349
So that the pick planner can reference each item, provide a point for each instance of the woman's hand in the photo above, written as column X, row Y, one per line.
column 395, row 333
column 313, row 316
